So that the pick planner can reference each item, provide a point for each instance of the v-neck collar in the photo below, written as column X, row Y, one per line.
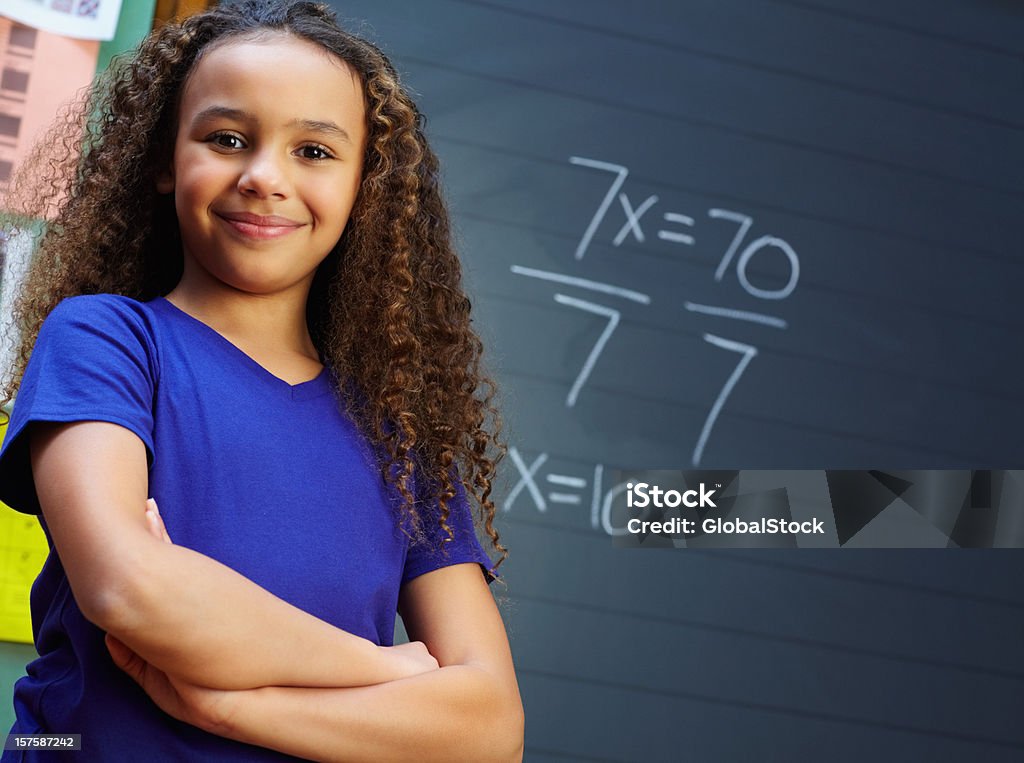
column 318, row 385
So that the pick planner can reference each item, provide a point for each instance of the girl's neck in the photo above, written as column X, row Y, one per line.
column 262, row 326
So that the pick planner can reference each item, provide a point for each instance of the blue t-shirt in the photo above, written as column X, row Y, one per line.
column 270, row 479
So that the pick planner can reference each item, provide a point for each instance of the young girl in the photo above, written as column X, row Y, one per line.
column 253, row 315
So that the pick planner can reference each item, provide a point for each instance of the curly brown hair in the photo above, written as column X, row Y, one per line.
column 386, row 310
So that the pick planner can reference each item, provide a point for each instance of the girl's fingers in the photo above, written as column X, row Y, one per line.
column 117, row 650
column 124, row 657
column 156, row 522
column 153, row 524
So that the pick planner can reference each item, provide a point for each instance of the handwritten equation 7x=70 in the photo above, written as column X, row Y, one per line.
column 633, row 226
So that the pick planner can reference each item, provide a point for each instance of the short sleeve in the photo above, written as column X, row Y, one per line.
column 94, row 360
column 436, row 551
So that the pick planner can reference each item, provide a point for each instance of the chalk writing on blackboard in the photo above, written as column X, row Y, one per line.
column 546, row 489
column 613, row 315
column 678, row 229
column 530, row 482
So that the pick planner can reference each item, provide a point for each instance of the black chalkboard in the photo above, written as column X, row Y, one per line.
column 778, row 234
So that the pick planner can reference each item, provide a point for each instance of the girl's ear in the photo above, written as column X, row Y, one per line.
column 165, row 181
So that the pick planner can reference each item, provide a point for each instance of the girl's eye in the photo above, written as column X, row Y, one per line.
column 315, row 152
column 227, row 140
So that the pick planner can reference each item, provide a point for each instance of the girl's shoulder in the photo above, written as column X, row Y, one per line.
column 109, row 313
column 101, row 306
column 96, row 323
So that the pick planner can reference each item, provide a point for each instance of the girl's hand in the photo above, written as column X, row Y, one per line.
column 411, row 659
column 155, row 522
column 207, row 709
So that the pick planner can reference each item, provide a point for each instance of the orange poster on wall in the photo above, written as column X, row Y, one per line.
column 39, row 72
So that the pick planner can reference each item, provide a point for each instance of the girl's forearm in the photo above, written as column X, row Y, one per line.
column 190, row 615
column 454, row 713
column 181, row 611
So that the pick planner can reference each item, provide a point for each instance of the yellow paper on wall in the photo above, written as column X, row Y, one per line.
column 23, row 550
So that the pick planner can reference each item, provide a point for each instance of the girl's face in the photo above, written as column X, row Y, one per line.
column 267, row 164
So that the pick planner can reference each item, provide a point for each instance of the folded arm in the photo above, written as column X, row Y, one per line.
column 181, row 611
column 469, row 709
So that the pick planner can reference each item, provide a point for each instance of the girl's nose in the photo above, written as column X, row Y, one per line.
column 263, row 177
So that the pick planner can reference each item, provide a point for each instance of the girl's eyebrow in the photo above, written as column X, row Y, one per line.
column 316, row 125
column 239, row 115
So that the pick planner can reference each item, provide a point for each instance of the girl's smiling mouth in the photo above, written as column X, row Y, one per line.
column 255, row 226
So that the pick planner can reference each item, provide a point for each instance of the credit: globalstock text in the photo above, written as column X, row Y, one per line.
column 643, row 495
column 763, row 526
